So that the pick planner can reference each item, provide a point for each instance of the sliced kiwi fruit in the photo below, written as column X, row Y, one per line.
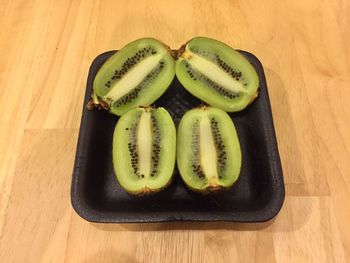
column 208, row 150
column 217, row 74
column 144, row 150
column 136, row 75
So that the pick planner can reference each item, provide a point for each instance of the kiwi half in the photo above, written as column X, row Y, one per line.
column 217, row 74
column 136, row 75
column 208, row 150
column 144, row 146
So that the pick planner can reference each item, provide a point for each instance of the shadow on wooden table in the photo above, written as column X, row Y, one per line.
column 286, row 124
column 169, row 226
column 110, row 256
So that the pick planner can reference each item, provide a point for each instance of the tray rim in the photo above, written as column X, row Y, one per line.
column 269, row 212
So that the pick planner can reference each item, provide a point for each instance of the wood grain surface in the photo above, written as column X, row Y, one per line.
column 46, row 47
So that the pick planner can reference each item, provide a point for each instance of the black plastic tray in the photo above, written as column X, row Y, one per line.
column 257, row 196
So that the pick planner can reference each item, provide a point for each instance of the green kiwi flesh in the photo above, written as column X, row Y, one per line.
column 144, row 150
column 217, row 74
column 208, row 150
column 136, row 75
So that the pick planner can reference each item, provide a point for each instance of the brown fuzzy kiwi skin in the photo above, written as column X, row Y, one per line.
column 211, row 189
column 101, row 105
column 182, row 49
column 172, row 52
column 90, row 105
column 145, row 191
column 256, row 95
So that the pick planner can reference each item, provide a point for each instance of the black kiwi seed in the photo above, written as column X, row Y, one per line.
column 219, row 125
column 220, row 147
column 241, row 70
column 116, row 67
column 195, row 75
column 132, row 61
column 196, row 168
column 132, row 145
column 156, row 141
column 128, row 98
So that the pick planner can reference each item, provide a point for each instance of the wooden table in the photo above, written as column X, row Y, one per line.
column 46, row 48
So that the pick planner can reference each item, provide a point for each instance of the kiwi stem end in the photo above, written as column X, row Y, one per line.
column 96, row 103
column 181, row 50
